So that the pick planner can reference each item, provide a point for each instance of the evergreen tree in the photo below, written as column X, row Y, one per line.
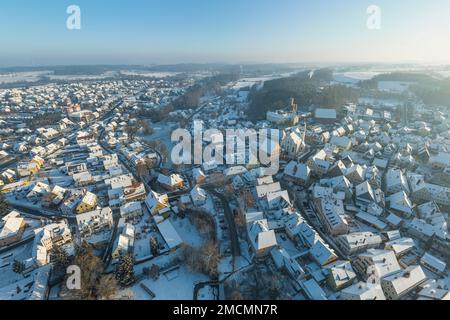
column 4, row 206
column 125, row 271
column 18, row 266
column 154, row 246
column 92, row 269
column 59, row 257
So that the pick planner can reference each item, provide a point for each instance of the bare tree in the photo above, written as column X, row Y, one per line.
column 162, row 149
column 107, row 287
column 131, row 131
column 4, row 206
column 91, row 270
column 211, row 258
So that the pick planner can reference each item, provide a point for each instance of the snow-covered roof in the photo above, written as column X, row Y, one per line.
column 325, row 113
column 170, row 235
column 406, row 279
column 364, row 291
column 322, row 253
column 313, row 290
column 297, row 170
column 434, row 262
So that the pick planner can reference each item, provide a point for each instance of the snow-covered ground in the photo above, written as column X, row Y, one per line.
column 383, row 102
column 394, row 86
column 250, row 82
column 144, row 232
column 207, row 293
column 188, row 232
column 6, row 264
column 177, row 284
column 354, row 76
column 23, row 76
column 105, row 75
column 163, row 132
column 149, row 74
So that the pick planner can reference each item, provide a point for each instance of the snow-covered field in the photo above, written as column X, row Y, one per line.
column 163, row 132
column 188, row 232
column 250, row 82
column 354, row 76
column 444, row 73
column 149, row 74
column 175, row 285
column 384, row 102
column 394, row 86
column 105, row 75
column 22, row 76
column 9, row 277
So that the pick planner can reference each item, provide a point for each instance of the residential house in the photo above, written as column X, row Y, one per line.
column 198, row 175
column 400, row 246
column 83, row 179
column 131, row 210
column 319, row 163
column 12, row 227
column 375, row 262
column 38, row 191
column 284, row 261
column 358, row 242
column 399, row 284
column 433, row 264
column 198, row 196
column 125, row 242
column 363, row 291
column 94, row 221
column 322, row 253
column 48, row 237
column 396, row 181
column 261, row 238
column 157, row 203
column 400, row 203
column 26, row 169
column 172, row 183
column 332, row 215
column 340, row 275
column 294, row 144
column 298, row 173
column 87, row 203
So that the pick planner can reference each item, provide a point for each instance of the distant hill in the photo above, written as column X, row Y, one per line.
column 308, row 88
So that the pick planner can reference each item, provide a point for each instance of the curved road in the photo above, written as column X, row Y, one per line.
column 235, row 247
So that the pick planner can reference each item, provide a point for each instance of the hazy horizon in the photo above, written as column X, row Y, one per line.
column 233, row 32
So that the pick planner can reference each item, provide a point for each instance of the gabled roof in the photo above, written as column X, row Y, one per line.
column 406, row 279
column 322, row 254
column 261, row 236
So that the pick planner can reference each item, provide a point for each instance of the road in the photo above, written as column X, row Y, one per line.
column 229, row 217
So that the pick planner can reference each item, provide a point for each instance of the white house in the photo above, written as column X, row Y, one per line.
column 402, row 282
column 357, row 242
column 261, row 238
column 375, row 262
column 363, row 291
column 198, row 196
column 131, row 210
column 299, row 173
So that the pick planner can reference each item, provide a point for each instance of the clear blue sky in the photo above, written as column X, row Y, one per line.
column 174, row 31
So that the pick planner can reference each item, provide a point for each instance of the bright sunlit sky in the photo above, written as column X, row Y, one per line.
column 231, row 31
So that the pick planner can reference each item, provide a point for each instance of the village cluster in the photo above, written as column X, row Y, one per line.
column 358, row 210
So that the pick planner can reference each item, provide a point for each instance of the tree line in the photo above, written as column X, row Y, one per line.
column 307, row 88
